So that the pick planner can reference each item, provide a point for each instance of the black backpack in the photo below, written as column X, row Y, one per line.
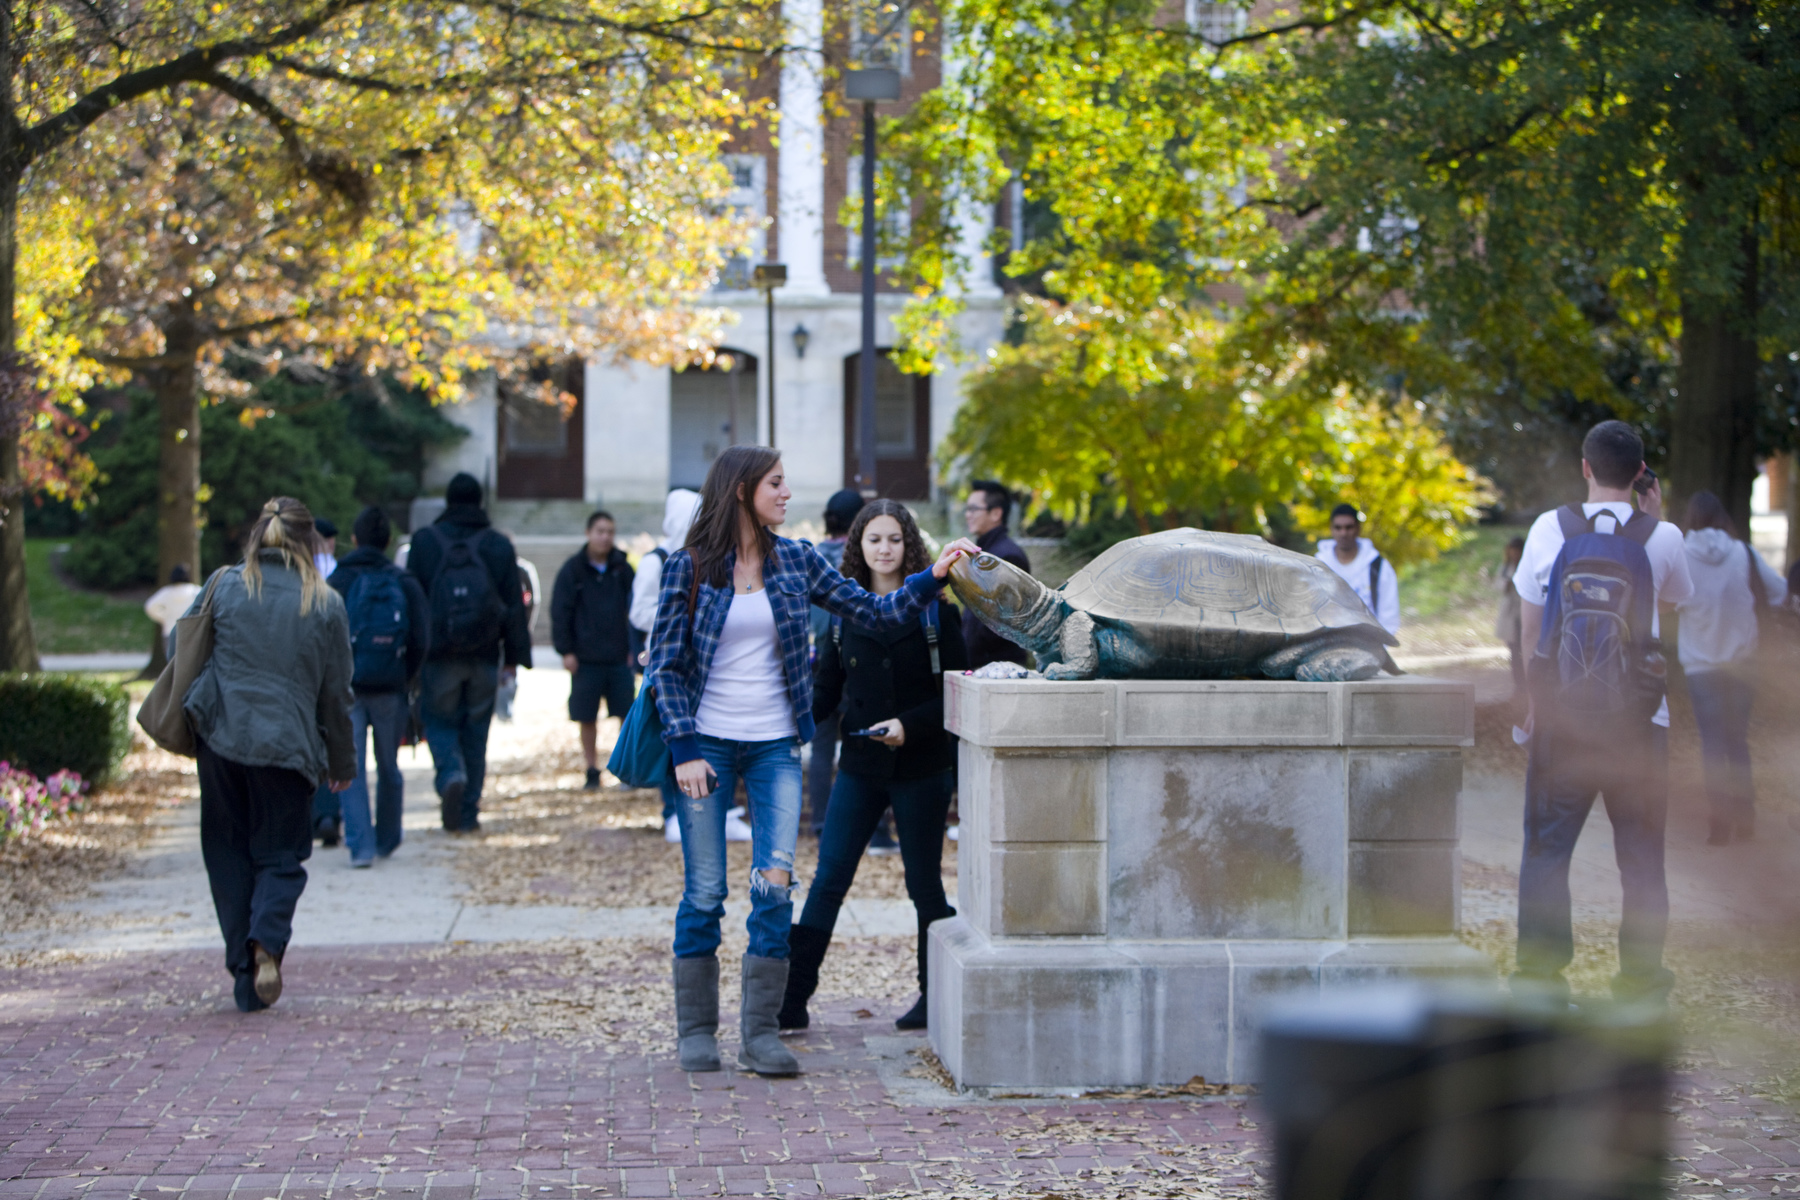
column 466, row 609
column 376, row 606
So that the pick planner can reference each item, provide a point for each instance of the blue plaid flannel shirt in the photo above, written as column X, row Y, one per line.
column 797, row 577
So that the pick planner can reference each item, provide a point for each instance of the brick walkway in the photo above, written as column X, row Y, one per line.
column 119, row 1078
column 133, row 1076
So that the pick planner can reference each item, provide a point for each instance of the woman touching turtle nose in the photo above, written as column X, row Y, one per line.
column 891, row 682
column 728, row 662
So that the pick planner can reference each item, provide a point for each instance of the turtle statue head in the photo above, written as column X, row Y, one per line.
column 1007, row 600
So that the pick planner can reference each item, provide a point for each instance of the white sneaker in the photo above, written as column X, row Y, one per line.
column 736, row 828
column 672, row 830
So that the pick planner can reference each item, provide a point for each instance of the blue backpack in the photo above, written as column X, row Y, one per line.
column 1607, row 676
column 379, row 624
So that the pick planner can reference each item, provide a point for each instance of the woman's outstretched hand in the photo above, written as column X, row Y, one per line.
column 961, row 547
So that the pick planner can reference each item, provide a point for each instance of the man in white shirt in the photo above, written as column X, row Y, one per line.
column 1356, row 561
column 1563, row 778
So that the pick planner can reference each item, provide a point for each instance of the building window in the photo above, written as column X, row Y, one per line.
column 896, row 426
column 1216, row 23
column 748, row 200
column 892, row 228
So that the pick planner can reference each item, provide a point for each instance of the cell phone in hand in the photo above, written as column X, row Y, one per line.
column 1642, row 483
column 871, row 732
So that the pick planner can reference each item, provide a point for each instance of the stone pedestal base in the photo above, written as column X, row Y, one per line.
column 1143, row 865
column 1017, row 1013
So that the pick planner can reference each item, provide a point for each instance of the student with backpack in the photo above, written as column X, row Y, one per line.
column 1589, row 583
column 471, row 577
column 1355, row 560
column 896, row 753
column 590, row 626
column 733, row 692
column 390, row 630
column 678, row 514
column 1734, row 590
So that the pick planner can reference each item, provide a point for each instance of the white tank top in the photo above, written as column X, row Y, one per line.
column 746, row 692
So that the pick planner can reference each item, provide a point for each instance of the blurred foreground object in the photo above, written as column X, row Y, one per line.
column 1417, row 1092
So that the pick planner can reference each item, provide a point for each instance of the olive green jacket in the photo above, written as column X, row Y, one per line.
column 276, row 692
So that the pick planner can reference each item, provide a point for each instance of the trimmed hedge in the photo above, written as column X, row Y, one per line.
column 51, row 723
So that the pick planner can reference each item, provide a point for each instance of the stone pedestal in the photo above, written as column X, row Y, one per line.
column 1145, row 864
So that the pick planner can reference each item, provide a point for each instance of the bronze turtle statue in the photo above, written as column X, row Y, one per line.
column 1183, row 604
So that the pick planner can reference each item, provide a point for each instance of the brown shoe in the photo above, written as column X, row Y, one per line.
column 268, row 974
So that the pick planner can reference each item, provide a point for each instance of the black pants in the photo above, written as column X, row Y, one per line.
column 857, row 802
column 1561, row 781
column 255, row 831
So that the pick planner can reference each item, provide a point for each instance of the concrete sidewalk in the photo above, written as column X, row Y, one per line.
column 161, row 902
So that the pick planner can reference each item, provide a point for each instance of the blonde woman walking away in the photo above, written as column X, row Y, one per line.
column 271, row 718
column 728, row 661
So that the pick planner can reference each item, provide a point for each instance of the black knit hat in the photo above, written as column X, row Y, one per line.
column 372, row 528
column 841, row 510
column 325, row 527
column 464, row 489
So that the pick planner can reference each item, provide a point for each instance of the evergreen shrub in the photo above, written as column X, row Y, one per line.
column 51, row 722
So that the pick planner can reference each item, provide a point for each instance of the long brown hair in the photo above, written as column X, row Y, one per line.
column 913, row 557
column 1706, row 511
column 713, row 536
column 285, row 525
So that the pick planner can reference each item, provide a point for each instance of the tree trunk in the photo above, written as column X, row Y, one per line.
column 178, row 440
column 1712, row 429
column 18, row 649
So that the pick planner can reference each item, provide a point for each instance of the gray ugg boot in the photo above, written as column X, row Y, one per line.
column 765, row 983
column 697, row 1012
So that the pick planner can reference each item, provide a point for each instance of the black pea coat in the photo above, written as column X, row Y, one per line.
column 884, row 674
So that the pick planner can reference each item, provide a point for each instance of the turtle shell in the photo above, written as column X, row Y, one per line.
column 1192, row 592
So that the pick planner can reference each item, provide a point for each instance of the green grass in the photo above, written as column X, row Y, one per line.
column 1458, row 580
column 66, row 620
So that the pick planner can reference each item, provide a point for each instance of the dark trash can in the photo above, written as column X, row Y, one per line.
column 1411, row 1093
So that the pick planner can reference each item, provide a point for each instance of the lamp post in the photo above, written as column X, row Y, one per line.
column 868, row 85
column 767, row 278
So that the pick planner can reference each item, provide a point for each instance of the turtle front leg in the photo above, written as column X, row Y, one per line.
column 1080, row 656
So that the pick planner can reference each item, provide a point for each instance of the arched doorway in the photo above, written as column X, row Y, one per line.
column 902, row 429
column 710, row 408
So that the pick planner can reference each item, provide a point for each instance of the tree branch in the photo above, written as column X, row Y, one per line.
column 33, row 143
column 1306, row 24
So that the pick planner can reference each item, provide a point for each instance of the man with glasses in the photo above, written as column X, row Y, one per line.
column 990, row 504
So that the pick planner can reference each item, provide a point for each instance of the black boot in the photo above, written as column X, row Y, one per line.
column 806, row 950
column 915, row 1017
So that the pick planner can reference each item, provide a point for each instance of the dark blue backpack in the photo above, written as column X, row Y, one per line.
column 376, row 606
column 1605, row 674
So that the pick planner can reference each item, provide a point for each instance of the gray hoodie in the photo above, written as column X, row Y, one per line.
column 1718, row 622
column 276, row 692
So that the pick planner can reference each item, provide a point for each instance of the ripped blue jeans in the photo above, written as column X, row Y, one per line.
column 771, row 775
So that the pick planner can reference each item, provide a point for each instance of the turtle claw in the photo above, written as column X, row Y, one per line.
column 1065, row 671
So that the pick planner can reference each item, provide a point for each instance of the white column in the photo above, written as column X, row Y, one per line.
column 974, row 218
column 800, row 208
column 627, row 432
